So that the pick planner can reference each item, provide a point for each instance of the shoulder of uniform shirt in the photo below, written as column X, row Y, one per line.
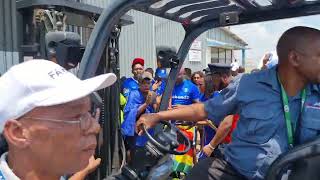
column 253, row 77
column 267, row 76
column 249, row 81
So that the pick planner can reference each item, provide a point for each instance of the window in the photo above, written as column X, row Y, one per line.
column 222, row 56
column 228, row 56
column 214, row 55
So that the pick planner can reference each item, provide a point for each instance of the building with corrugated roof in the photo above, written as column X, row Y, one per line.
column 137, row 40
column 141, row 39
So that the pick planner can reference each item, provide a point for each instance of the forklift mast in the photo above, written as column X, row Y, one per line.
column 31, row 20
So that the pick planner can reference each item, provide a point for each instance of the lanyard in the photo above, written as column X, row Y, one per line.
column 286, row 110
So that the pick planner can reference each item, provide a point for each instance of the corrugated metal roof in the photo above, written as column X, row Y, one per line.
column 233, row 35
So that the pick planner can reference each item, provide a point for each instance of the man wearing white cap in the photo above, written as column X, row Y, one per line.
column 45, row 119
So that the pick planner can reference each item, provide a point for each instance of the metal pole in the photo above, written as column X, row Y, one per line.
column 243, row 57
column 182, row 54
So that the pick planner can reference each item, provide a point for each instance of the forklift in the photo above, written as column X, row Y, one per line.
column 101, row 55
column 203, row 15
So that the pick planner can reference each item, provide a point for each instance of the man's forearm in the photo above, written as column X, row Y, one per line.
column 194, row 112
column 141, row 109
column 223, row 130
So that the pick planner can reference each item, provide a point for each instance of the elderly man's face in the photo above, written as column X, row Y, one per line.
column 59, row 146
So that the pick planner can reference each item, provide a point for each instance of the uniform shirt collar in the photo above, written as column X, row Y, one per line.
column 270, row 78
column 6, row 172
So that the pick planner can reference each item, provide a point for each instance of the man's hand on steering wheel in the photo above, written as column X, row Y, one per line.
column 149, row 120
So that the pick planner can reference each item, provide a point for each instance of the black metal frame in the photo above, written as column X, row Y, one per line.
column 248, row 12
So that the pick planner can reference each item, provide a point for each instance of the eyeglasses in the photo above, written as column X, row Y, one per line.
column 85, row 120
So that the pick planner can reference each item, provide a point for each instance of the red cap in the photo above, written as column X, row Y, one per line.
column 138, row 61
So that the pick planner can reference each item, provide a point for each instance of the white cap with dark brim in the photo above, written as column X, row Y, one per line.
column 38, row 83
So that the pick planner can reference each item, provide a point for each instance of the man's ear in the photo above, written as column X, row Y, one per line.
column 15, row 134
column 294, row 58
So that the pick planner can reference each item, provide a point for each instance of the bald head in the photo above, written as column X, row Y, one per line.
column 299, row 54
column 295, row 39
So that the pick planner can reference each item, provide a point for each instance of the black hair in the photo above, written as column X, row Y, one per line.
column 188, row 72
column 150, row 70
column 210, row 86
column 198, row 72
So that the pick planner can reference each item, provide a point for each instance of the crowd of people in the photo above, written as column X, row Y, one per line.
column 230, row 105
column 143, row 92
column 276, row 108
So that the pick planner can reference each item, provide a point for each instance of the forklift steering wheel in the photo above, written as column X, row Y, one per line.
column 169, row 147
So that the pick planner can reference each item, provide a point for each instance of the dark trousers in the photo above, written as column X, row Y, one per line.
column 214, row 169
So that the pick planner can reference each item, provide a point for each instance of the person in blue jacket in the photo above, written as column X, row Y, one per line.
column 132, row 83
column 139, row 102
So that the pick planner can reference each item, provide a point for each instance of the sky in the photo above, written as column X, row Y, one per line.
column 263, row 37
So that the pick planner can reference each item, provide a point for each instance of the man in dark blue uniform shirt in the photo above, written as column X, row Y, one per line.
column 279, row 108
column 132, row 83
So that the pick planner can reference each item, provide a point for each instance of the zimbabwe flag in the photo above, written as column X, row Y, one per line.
column 184, row 163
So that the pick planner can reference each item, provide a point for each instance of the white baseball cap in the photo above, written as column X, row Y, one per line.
column 37, row 83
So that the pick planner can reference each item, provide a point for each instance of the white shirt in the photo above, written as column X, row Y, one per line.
column 5, row 172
